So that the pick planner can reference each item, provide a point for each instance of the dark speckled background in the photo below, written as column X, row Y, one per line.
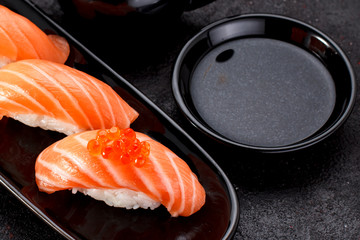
column 310, row 195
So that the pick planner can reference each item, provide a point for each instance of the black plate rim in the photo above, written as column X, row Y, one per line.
column 212, row 134
column 11, row 187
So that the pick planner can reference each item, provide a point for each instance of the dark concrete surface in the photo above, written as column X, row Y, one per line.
column 312, row 195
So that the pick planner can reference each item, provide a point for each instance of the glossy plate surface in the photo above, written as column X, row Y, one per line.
column 80, row 217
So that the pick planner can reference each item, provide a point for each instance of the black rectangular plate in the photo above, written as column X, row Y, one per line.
column 80, row 217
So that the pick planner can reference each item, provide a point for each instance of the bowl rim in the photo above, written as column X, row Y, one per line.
column 286, row 148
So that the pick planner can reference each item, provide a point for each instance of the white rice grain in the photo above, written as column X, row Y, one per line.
column 123, row 198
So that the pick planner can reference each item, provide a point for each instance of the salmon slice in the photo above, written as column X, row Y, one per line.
column 164, row 177
column 53, row 96
column 21, row 39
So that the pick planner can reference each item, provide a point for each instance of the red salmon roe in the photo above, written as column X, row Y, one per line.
column 94, row 147
column 113, row 133
column 125, row 158
column 139, row 161
column 120, row 144
column 129, row 135
column 102, row 136
column 106, row 150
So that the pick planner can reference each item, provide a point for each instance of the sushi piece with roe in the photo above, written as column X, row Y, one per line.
column 123, row 168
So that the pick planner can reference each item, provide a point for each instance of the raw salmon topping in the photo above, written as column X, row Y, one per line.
column 120, row 144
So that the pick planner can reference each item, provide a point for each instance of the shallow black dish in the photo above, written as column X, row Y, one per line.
column 80, row 217
column 264, row 82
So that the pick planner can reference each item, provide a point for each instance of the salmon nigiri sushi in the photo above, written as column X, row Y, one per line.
column 56, row 97
column 21, row 39
column 121, row 167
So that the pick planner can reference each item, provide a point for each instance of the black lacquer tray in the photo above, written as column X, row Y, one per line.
column 80, row 217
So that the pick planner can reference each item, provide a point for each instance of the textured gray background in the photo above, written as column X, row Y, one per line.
column 282, row 200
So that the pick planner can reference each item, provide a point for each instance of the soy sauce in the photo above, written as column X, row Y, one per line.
column 262, row 92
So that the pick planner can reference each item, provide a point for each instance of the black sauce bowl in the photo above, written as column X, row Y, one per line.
column 288, row 85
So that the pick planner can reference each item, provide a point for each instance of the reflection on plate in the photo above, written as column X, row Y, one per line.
column 80, row 217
